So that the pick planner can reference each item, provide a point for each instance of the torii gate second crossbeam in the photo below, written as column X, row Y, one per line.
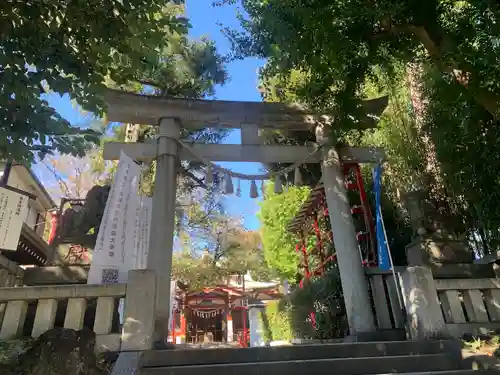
column 171, row 114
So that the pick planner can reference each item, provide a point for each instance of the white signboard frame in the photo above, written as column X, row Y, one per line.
column 13, row 211
column 123, row 237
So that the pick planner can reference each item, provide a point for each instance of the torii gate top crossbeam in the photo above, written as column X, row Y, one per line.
column 133, row 108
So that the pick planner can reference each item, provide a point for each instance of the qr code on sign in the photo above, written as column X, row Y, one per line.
column 109, row 276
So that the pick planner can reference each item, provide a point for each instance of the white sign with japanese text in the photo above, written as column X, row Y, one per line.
column 142, row 231
column 13, row 211
column 111, row 260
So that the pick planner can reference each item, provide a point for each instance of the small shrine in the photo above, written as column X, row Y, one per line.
column 219, row 314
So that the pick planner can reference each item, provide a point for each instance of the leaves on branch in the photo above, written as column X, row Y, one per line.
column 337, row 43
column 225, row 249
column 71, row 47
column 276, row 212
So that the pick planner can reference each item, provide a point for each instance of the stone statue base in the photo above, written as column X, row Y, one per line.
column 447, row 258
column 432, row 250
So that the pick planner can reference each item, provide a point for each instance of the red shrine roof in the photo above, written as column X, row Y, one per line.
column 313, row 204
column 224, row 289
column 230, row 291
column 216, row 291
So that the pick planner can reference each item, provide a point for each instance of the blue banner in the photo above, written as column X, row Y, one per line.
column 382, row 247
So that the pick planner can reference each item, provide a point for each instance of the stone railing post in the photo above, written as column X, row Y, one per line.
column 139, row 311
column 425, row 318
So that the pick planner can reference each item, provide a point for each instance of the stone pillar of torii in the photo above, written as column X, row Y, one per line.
column 172, row 114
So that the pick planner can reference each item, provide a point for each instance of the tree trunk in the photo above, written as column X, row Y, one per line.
column 488, row 100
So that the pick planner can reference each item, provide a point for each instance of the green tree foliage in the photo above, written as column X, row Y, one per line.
column 326, row 55
column 276, row 212
column 323, row 296
column 219, row 251
column 195, row 271
column 337, row 43
column 185, row 68
column 291, row 317
column 276, row 322
column 468, row 155
column 72, row 47
column 396, row 133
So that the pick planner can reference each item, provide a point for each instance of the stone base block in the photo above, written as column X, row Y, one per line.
column 463, row 271
column 430, row 251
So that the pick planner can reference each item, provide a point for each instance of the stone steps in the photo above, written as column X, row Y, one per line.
column 411, row 358
column 158, row 358
column 345, row 366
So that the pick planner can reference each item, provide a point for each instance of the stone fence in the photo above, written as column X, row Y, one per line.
column 384, row 292
column 10, row 273
column 469, row 305
column 81, row 302
column 434, row 307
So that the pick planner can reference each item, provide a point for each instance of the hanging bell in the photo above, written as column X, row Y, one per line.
column 278, row 188
column 297, row 179
column 209, row 177
column 238, row 188
column 228, row 185
column 253, row 190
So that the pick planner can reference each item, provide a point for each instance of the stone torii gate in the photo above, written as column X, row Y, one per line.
column 172, row 114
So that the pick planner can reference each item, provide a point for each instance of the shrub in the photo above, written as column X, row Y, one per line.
column 276, row 322
column 323, row 296
column 290, row 317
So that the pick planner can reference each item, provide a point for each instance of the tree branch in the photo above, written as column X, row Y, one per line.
column 190, row 175
column 148, row 83
column 464, row 77
column 42, row 89
column 62, row 184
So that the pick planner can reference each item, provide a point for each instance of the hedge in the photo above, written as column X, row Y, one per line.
column 290, row 317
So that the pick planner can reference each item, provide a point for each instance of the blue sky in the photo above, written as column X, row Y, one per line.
column 242, row 86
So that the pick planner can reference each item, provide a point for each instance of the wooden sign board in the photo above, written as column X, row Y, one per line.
column 13, row 211
column 73, row 254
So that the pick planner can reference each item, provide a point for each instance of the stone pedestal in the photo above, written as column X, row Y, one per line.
column 446, row 258
column 256, row 331
column 435, row 247
column 437, row 251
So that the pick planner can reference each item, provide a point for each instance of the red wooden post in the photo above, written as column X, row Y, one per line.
column 320, row 243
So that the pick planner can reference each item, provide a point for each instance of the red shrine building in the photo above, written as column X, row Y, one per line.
column 220, row 313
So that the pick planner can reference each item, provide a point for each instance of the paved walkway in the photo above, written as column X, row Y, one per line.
column 210, row 345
